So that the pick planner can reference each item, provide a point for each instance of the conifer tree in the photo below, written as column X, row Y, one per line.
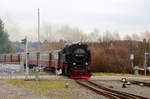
column 5, row 44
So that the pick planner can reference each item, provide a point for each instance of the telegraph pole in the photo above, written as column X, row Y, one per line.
column 39, row 29
column 39, row 47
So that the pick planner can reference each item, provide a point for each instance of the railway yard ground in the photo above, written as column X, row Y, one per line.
column 51, row 86
column 44, row 89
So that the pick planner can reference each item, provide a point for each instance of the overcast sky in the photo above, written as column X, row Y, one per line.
column 124, row 16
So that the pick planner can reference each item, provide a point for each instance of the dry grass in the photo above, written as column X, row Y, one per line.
column 31, row 73
column 2, row 80
column 39, row 86
column 46, row 88
column 55, row 89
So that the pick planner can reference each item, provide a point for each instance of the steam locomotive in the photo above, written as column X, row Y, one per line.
column 73, row 60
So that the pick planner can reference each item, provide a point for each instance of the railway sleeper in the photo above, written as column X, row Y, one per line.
column 132, row 96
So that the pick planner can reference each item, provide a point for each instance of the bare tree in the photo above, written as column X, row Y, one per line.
column 100, row 38
column 116, row 36
column 146, row 35
column 127, row 37
column 69, row 34
column 47, row 29
column 107, row 36
column 135, row 37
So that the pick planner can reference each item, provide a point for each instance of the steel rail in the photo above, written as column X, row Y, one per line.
column 113, row 94
column 141, row 83
column 98, row 91
column 133, row 96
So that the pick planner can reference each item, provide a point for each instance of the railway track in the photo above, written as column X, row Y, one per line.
column 112, row 94
column 141, row 83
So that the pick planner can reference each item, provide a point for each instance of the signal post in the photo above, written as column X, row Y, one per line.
column 25, row 42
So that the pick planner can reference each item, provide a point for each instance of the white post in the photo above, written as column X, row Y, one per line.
column 145, row 64
column 26, row 53
column 132, row 58
column 21, row 63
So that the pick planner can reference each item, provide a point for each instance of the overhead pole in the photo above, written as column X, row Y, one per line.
column 39, row 28
column 39, row 46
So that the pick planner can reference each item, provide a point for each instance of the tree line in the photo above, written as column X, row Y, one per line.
column 110, row 51
column 5, row 43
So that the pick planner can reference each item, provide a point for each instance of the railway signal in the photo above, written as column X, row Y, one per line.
column 146, row 62
column 147, row 59
column 24, row 41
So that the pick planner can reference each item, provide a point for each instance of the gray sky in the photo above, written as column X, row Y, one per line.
column 124, row 16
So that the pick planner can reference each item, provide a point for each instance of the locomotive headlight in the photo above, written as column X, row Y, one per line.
column 74, row 63
column 86, row 63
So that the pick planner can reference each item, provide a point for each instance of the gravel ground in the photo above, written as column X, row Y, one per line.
column 135, row 89
column 9, row 91
column 120, row 77
column 74, row 91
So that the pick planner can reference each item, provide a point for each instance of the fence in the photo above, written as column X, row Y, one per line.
column 7, row 70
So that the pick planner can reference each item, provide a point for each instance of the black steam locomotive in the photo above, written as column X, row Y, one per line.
column 76, row 58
